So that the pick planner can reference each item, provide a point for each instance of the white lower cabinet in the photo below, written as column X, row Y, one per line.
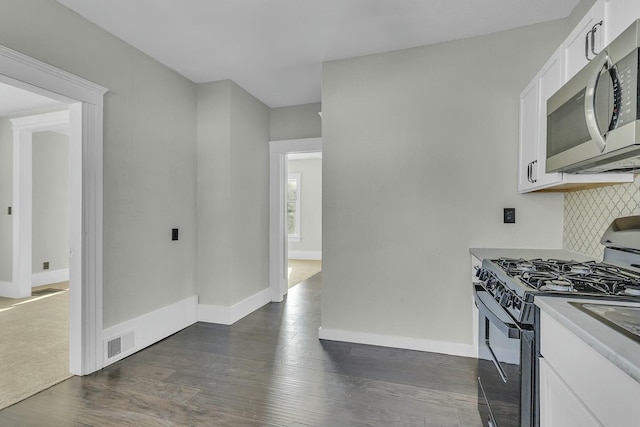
column 579, row 386
column 559, row 406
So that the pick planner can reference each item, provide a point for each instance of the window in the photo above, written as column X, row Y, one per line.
column 293, row 207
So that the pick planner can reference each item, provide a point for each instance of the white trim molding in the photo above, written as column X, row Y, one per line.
column 85, row 100
column 48, row 277
column 228, row 315
column 151, row 327
column 306, row 255
column 407, row 343
column 278, row 242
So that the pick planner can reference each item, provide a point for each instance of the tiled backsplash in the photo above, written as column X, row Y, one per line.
column 588, row 213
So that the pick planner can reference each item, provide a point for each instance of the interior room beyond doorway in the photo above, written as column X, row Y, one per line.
column 304, row 216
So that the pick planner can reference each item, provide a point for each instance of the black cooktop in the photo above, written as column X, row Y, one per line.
column 572, row 277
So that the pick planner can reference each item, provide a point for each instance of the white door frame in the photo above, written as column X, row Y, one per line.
column 278, row 242
column 22, row 205
column 85, row 100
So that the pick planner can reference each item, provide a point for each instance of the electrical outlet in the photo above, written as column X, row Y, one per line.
column 45, row 265
column 9, row 210
column 509, row 215
column 174, row 234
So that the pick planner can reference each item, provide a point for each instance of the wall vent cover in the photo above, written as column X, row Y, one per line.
column 120, row 344
column 114, row 347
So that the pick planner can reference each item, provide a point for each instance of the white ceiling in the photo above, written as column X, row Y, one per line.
column 275, row 48
column 15, row 101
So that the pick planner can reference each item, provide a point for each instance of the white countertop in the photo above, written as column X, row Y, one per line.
column 622, row 351
column 493, row 253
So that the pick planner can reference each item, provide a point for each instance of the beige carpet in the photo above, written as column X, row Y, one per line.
column 300, row 270
column 34, row 343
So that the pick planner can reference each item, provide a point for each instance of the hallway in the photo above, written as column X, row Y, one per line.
column 268, row 369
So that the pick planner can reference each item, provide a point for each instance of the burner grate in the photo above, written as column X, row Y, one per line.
column 554, row 275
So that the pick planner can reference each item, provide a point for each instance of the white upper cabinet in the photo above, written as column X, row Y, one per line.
column 533, row 127
column 582, row 44
column 619, row 14
column 549, row 81
column 585, row 41
column 528, row 137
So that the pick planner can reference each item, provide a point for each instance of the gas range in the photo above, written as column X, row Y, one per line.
column 514, row 283
column 508, row 321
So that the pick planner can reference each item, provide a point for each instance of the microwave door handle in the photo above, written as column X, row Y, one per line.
column 590, row 101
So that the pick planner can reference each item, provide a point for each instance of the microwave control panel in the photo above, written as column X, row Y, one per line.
column 626, row 95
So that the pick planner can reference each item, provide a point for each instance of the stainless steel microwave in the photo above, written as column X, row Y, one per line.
column 592, row 121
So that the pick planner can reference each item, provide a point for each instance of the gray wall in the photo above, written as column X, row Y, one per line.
column 419, row 160
column 50, row 220
column 310, row 204
column 149, row 154
column 6, row 198
column 214, row 192
column 579, row 12
column 295, row 122
column 233, row 194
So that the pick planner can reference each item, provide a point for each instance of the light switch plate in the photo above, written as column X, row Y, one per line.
column 509, row 215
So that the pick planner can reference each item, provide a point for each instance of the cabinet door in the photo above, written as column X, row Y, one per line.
column 559, row 406
column 528, row 136
column 620, row 14
column 574, row 46
column 549, row 81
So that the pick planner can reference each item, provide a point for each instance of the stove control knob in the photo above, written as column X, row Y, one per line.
column 506, row 300
column 516, row 303
column 491, row 284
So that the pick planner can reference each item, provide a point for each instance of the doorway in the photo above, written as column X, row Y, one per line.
column 32, row 135
column 278, row 235
column 85, row 102
column 34, row 302
column 304, row 216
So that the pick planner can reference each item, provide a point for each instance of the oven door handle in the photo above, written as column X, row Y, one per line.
column 511, row 330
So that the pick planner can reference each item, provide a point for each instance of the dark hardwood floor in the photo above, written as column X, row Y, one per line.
column 268, row 369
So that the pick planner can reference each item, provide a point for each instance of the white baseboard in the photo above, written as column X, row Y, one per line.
column 50, row 276
column 150, row 328
column 7, row 290
column 454, row 349
column 228, row 315
column 307, row 255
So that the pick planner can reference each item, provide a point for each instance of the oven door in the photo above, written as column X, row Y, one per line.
column 505, row 366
